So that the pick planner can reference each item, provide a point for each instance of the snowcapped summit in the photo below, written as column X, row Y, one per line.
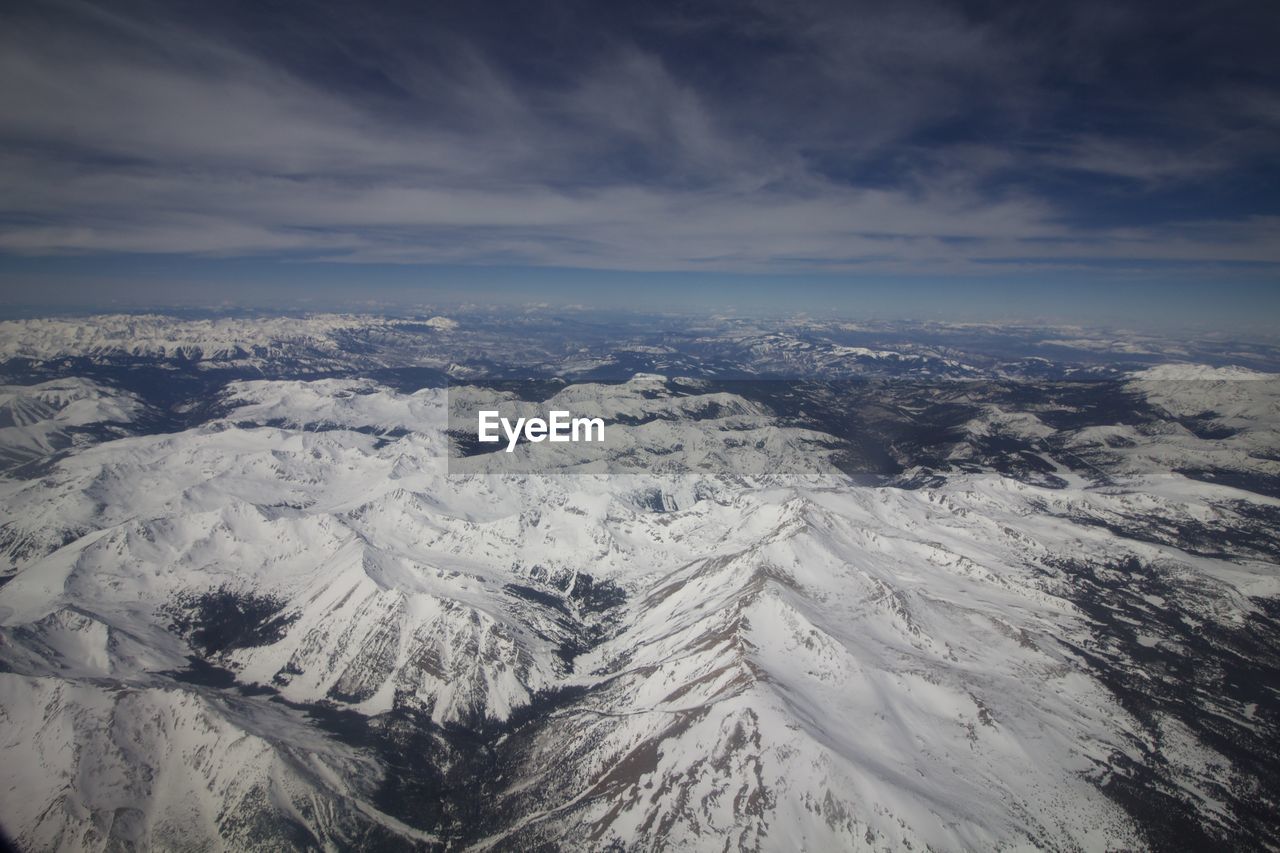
column 40, row 420
column 210, row 339
column 1202, row 373
column 444, row 324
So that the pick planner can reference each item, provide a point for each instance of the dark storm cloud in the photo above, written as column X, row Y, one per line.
column 894, row 137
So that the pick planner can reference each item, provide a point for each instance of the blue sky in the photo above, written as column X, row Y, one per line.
column 1093, row 160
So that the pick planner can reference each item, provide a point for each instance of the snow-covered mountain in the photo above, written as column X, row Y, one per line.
column 212, row 339
column 37, row 421
column 963, row 613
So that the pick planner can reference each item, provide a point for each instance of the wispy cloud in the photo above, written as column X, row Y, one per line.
column 895, row 138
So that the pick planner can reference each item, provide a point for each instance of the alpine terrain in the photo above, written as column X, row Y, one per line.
column 827, row 586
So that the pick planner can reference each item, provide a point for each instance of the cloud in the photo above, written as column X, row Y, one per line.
column 894, row 138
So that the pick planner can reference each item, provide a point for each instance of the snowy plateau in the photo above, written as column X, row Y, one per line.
column 828, row 586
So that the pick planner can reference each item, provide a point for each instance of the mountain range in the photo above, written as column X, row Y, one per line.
column 828, row 585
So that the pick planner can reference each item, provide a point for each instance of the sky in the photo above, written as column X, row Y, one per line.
column 1084, row 160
